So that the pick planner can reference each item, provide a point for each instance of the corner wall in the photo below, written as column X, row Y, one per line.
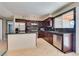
column 77, row 30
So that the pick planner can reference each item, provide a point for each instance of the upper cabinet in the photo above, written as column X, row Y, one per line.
column 32, row 23
column 20, row 26
column 48, row 22
column 65, row 20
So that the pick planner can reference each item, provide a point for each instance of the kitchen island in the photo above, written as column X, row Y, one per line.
column 22, row 40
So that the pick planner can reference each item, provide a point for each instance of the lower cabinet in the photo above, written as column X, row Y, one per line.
column 63, row 42
column 57, row 41
column 40, row 34
column 48, row 37
column 67, row 42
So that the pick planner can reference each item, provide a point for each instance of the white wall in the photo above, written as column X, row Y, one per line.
column 77, row 30
column 65, row 8
column 0, row 29
column 4, row 12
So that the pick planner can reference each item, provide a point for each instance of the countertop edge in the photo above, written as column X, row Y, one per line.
column 22, row 33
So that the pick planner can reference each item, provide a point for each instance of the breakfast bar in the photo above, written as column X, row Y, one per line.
column 21, row 40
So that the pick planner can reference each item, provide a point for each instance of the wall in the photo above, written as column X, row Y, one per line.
column 65, row 8
column 77, row 29
column 0, row 29
column 4, row 11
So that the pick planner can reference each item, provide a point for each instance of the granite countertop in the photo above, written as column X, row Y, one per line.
column 57, row 32
column 22, row 33
column 54, row 32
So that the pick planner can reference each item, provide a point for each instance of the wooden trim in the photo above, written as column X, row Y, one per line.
column 62, row 42
column 7, row 34
column 75, row 27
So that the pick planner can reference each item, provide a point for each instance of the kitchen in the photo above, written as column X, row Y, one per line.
column 59, row 31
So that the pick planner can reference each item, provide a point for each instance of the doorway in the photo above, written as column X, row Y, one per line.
column 3, row 39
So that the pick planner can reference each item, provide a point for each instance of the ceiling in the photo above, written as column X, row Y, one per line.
column 32, row 8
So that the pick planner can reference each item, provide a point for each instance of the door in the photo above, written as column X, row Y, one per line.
column 3, row 39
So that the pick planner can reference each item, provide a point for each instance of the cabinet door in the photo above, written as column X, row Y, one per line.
column 40, row 34
column 45, row 36
column 57, row 41
column 50, row 36
column 67, row 42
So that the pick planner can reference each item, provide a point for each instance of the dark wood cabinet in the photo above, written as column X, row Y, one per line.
column 46, row 36
column 40, row 34
column 50, row 36
column 48, row 22
column 40, row 24
column 61, row 41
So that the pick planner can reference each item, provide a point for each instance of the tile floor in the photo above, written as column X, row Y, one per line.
column 43, row 49
column 3, row 46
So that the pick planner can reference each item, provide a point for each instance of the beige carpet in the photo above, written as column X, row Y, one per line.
column 43, row 49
